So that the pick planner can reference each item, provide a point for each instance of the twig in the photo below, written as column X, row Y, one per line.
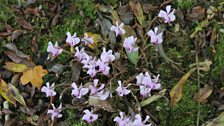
column 198, row 81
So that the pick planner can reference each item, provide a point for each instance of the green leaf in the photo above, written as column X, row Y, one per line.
column 133, row 56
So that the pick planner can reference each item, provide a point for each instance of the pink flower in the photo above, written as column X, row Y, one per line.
column 167, row 15
column 147, row 84
column 79, row 92
column 129, row 44
column 54, row 50
column 103, row 94
column 151, row 83
column 138, row 121
column 156, row 38
column 91, row 65
column 72, row 40
column 118, row 29
column 48, row 90
column 103, row 67
column 55, row 113
column 87, row 39
column 107, row 56
column 145, row 91
column 94, row 90
column 122, row 90
column 89, row 117
column 140, row 78
column 122, row 120
column 81, row 55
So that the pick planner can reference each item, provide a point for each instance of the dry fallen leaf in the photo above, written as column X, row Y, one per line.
column 219, row 121
column 203, row 94
column 96, row 38
column 4, row 91
column 34, row 76
column 137, row 9
column 16, row 95
column 22, row 22
column 176, row 91
column 15, row 67
column 104, row 104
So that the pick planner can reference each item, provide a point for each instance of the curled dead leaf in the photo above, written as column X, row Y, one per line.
column 104, row 104
column 203, row 94
column 176, row 91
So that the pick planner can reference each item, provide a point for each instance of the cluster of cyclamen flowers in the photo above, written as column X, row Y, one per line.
column 144, row 81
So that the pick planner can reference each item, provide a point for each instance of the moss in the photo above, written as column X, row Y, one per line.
column 218, row 69
column 185, row 112
column 185, row 4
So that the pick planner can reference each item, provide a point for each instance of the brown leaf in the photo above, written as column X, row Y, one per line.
column 34, row 76
column 15, row 58
column 137, row 9
column 203, row 94
column 22, row 22
column 213, row 39
column 16, row 34
column 55, row 20
column 4, row 34
column 104, row 104
column 13, row 48
column 35, row 11
column 34, row 47
column 176, row 91
column 147, row 8
column 197, row 13
column 16, row 95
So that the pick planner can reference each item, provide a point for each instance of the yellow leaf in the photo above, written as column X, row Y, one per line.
column 96, row 38
column 4, row 91
column 176, row 91
column 34, row 76
column 15, row 67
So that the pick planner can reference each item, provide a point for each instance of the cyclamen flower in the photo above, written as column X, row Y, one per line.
column 122, row 120
column 87, row 39
column 129, row 44
column 48, row 90
column 147, row 84
column 72, row 40
column 79, row 92
column 81, row 55
column 55, row 112
column 140, row 78
column 118, row 29
column 91, row 65
column 122, row 90
column 54, row 49
column 151, row 83
column 89, row 117
column 167, row 15
column 103, row 94
column 145, row 91
column 107, row 56
column 138, row 121
column 94, row 90
column 103, row 67
column 156, row 38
